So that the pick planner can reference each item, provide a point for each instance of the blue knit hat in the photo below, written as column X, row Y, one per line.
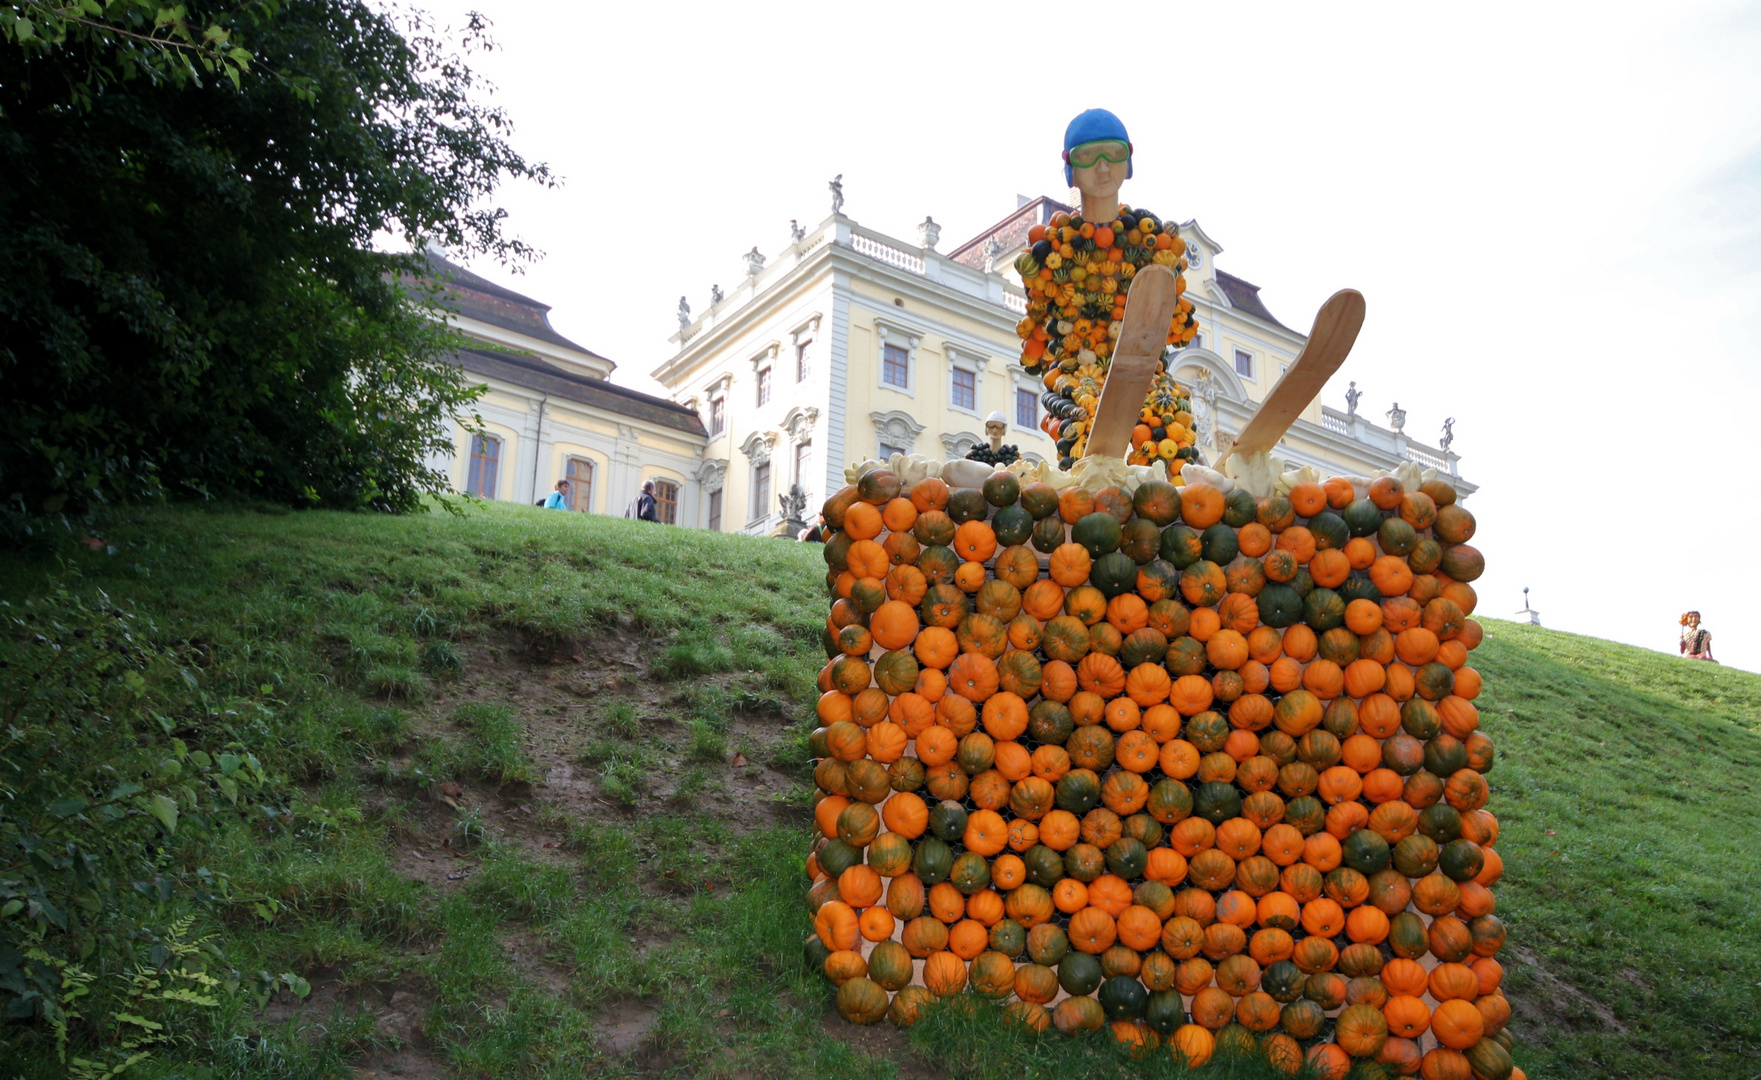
column 1095, row 125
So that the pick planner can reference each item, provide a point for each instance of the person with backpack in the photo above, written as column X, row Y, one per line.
column 558, row 499
column 644, row 506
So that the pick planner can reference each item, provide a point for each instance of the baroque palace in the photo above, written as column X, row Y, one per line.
column 847, row 344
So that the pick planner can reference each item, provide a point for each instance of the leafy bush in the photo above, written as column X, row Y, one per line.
column 112, row 773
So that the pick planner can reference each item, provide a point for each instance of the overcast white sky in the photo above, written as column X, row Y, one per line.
column 1554, row 211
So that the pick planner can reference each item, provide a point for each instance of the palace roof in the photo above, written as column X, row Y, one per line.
column 534, row 373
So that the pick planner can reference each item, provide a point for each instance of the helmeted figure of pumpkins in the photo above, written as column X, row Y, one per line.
column 1199, row 768
column 1077, row 274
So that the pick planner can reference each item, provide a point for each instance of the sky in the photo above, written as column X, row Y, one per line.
column 1553, row 210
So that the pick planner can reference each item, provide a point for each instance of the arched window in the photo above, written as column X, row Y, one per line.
column 579, row 472
column 666, row 501
column 485, row 461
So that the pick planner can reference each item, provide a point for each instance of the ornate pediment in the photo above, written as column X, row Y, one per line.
column 712, row 474
column 799, row 422
column 897, row 428
column 758, row 446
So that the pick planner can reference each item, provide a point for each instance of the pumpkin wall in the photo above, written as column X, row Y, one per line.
column 1199, row 768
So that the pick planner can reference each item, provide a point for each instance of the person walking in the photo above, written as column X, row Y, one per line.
column 558, row 499
column 1696, row 643
column 643, row 507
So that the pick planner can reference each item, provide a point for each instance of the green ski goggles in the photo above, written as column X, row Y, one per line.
column 1089, row 153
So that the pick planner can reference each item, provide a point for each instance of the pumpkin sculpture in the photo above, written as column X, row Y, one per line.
column 1179, row 763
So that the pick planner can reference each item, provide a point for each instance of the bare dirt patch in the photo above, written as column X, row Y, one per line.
column 1560, row 1004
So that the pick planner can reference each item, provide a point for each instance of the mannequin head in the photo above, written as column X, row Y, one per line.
column 1097, row 161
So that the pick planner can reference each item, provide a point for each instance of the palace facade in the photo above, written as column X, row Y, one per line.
column 850, row 343
column 551, row 412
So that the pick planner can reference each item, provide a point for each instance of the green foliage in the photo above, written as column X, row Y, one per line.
column 110, row 775
column 193, row 306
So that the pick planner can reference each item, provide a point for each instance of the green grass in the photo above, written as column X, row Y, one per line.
column 1626, row 784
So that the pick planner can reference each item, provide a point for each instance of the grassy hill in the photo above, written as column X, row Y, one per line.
column 536, row 792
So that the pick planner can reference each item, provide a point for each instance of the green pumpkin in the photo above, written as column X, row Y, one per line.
column 1098, row 532
column 1441, row 822
column 890, row 965
column 1302, row 1019
column 814, row 954
column 1040, row 500
column 1180, row 545
column 1363, row 517
column 1044, row 865
column 976, row 753
column 1434, row 681
column 1280, row 747
column 1239, row 508
column 1407, row 936
column 1490, row 1060
column 1426, row 556
column 1164, row 1012
column 1079, row 974
column 1157, row 502
column 1445, row 754
column 907, row 774
column 1048, row 944
column 1170, row 801
column 1463, row 562
column 1220, row 544
column 1320, row 748
column 1145, row 645
column 948, row 820
column 1186, row 656
column 1339, row 720
column 1048, row 534
column 1007, row 937
column 1365, row 851
column 1416, row 855
column 1050, row 722
column 1284, row 981
column 1461, row 860
column 970, row 872
column 1140, row 540
column 1084, row 862
column 1217, row 802
column 1124, row 998
column 1078, row 791
column 1002, row 488
column 1113, row 573
column 837, row 857
column 1303, row 582
column 1145, row 830
column 1280, row 605
column 1305, row 814
column 933, row 861
column 1126, row 858
column 1419, row 718
column 1208, row 731
column 1397, row 536
column 1359, row 587
column 1322, row 609
column 1013, row 525
column 967, row 504
column 1329, row 529
column 1161, row 574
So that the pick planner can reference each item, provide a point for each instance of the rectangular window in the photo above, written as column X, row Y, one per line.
column 764, row 386
column 887, row 452
column 965, row 389
column 760, row 491
column 666, row 501
column 715, row 511
column 579, row 472
column 803, row 463
column 718, row 417
column 801, row 368
column 895, row 366
column 1026, row 409
column 1244, row 364
column 485, row 459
